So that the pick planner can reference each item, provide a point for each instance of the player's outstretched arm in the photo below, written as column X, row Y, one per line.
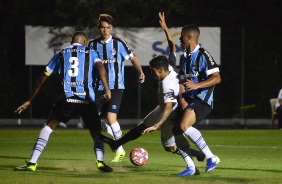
column 26, row 105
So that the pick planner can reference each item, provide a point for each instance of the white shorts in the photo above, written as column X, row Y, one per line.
column 167, row 137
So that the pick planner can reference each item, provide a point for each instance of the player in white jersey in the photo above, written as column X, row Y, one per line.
column 163, row 116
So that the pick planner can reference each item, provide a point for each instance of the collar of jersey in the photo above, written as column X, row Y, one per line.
column 76, row 44
column 108, row 40
column 196, row 48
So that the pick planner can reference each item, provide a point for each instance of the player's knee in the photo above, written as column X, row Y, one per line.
column 52, row 124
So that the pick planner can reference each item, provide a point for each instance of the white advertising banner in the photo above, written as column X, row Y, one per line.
column 43, row 42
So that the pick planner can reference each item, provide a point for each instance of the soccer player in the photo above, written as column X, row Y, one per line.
column 164, row 115
column 114, row 52
column 201, row 74
column 76, row 65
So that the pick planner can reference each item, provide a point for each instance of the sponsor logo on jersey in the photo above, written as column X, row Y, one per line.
column 76, row 93
column 108, row 61
column 190, row 75
column 209, row 56
column 77, row 101
column 77, row 50
column 74, row 84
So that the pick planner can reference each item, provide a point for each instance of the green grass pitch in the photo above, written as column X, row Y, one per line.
column 247, row 156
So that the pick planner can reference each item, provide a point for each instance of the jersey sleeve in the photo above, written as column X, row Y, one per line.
column 170, row 91
column 124, row 50
column 95, row 56
column 211, row 64
column 90, row 45
column 172, row 60
column 53, row 65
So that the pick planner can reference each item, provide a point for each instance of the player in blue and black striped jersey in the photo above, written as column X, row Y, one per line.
column 76, row 65
column 201, row 74
column 113, row 52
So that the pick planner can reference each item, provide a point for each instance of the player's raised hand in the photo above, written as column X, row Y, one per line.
column 162, row 20
column 24, row 106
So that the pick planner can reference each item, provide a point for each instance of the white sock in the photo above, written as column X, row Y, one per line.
column 40, row 144
column 196, row 136
column 99, row 154
column 107, row 128
column 117, row 134
column 190, row 163
column 99, row 148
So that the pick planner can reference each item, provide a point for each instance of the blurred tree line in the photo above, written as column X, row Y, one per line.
column 255, row 22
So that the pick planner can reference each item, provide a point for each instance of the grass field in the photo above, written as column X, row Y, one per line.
column 247, row 156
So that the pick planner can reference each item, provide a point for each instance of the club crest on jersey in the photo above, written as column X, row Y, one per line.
column 113, row 52
column 194, row 67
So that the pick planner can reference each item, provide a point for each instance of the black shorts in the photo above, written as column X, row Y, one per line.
column 113, row 105
column 63, row 111
column 202, row 110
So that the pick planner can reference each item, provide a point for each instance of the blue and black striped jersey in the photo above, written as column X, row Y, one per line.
column 76, row 66
column 197, row 66
column 113, row 54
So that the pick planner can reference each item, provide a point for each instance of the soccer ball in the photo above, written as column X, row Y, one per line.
column 138, row 156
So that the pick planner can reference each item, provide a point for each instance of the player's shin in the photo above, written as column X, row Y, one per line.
column 40, row 144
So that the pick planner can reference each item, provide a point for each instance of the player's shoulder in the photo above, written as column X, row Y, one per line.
column 204, row 52
column 171, row 79
column 119, row 39
column 97, row 39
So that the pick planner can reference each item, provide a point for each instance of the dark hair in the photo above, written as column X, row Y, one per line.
column 75, row 36
column 106, row 18
column 191, row 27
column 159, row 61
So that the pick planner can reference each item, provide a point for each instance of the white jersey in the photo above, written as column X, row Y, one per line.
column 168, row 89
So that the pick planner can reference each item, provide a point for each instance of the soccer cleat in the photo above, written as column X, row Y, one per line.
column 189, row 172
column 212, row 163
column 103, row 167
column 118, row 156
column 28, row 167
column 201, row 157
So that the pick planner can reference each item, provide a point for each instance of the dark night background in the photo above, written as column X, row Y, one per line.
column 257, row 21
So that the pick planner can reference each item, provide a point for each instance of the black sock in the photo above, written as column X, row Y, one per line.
column 129, row 136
